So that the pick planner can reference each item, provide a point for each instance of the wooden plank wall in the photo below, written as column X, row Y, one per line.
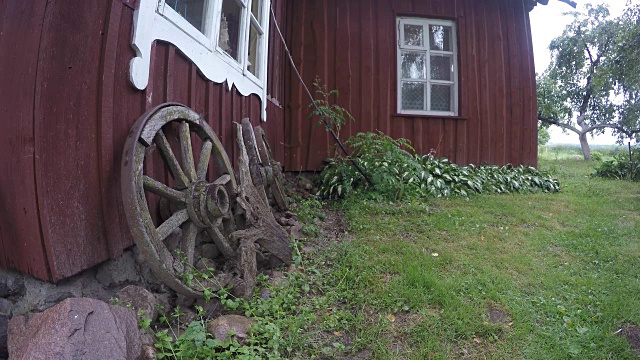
column 351, row 46
column 67, row 106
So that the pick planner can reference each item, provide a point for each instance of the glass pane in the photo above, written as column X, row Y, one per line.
column 441, row 98
column 414, row 65
column 413, row 35
column 440, row 38
column 229, row 39
column 412, row 96
column 256, row 10
column 191, row 10
column 441, row 67
column 254, row 48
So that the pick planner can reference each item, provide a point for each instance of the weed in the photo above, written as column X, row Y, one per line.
column 325, row 106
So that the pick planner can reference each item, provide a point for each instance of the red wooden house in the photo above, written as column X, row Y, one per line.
column 456, row 76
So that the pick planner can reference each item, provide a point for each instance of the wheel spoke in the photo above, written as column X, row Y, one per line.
column 203, row 161
column 172, row 223
column 223, row 180
column 186, row 151
column 181, row 180
column 188, row 244
column 163, row 190
column 221, row 242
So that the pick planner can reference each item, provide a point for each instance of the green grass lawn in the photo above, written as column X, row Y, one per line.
column 535, row 276
column 523, row 276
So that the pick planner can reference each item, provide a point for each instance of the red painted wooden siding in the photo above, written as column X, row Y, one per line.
column 67, row 106
column 351, row 45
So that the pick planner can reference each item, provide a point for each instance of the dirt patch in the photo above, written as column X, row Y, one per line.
column 632, row 334
column 474, row 349
column 498, row 316
column 404, row 321
column 407, row 237
column 334, row 227
column 365, row 354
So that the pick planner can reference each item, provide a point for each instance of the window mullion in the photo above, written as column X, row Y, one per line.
column 245, row 28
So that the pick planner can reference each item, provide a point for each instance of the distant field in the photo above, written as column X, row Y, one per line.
column 572, row 151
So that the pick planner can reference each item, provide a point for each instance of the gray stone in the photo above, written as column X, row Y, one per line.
column 11, row 284
column 6, row 307
column 209, row 251
column 141, row 300
column 212, row 307
column 4, row 324
column 40, row 295
column 222, row 326
column 184, row 301
column 119, row 271
column 77, row 328
column 148, row 352
column 204, row 264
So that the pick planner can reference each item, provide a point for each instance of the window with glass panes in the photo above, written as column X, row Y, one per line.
column 236, row 28
column 427, row 67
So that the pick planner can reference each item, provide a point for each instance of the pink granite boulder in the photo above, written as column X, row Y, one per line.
column 77, row 328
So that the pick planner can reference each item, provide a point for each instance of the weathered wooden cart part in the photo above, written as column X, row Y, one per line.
column 192, row 205
column 261, row 224
column 272, row 171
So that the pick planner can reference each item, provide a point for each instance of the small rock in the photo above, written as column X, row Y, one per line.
column 276, row 278
column 184, row 301
column 141, row 300
column 222, row 326
column 10, row 284
column 146, row 338
column 305, row 184
column 4, row 325
column 5, row 307
column 77, row 328
column 265, row 294
column 296, row 231
column 307, row 249
column 148, row 352
column 187, row 316
column 286, row 222
column 291, row 215
column 209, row 251
column 211, row 308
column 204, row 264
column 172, row 241
column 119, row 271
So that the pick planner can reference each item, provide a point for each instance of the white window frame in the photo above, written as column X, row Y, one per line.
column 154, row 20
column 425, row 22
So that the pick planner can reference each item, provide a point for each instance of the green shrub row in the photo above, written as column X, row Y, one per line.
column 621, row 167
column 395, row 171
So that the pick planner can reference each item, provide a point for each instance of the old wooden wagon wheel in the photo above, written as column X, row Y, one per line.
column 197, row 195
column 272, row 171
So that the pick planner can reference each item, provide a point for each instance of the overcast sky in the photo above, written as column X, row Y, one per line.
column 547, row 23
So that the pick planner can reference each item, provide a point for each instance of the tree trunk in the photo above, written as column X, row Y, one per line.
column 584, row 145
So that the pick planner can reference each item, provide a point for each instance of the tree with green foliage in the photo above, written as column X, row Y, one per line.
column 582, row 88
column 543, row 135
column 626, row 70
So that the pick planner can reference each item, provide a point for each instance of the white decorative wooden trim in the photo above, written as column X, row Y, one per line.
column 153, row 21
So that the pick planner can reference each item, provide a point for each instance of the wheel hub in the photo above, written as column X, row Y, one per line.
column 207, row 203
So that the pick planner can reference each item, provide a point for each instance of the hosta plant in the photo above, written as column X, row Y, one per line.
column 395, row 171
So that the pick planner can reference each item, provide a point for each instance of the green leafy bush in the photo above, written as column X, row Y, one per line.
column 396, row 171
column 597, row 156
column 620, row 167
